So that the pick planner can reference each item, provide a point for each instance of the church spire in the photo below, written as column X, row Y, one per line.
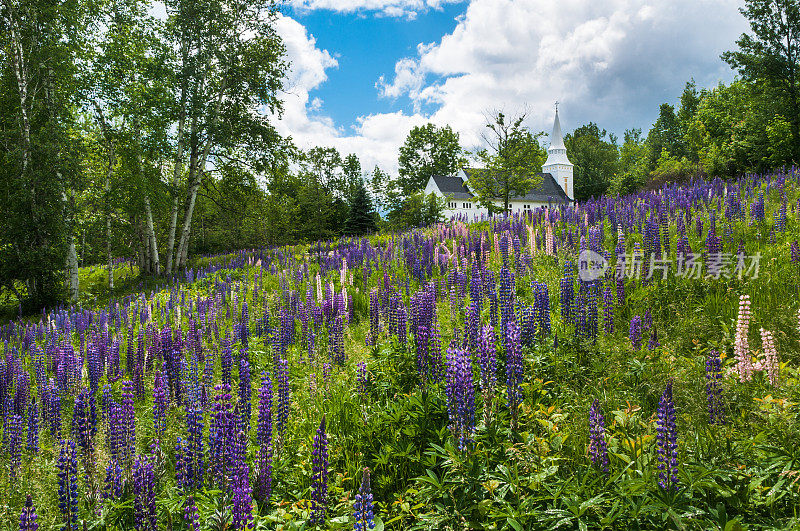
column 557, row 163
column 556, row 140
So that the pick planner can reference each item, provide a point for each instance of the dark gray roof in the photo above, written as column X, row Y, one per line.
column 548, row 190
column 452, row 186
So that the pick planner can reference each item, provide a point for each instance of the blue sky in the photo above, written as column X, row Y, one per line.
column 364, row 72
column 367, row 47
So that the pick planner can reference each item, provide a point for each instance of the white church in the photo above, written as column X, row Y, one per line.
column 556, row 184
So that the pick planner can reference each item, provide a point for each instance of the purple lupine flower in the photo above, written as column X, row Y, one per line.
column 653, row 343
column 362, row 508
column 282, row 413
column 195, row 454
column 67, row 465
column 716, row 408
column 635, row 332
column 112, row 486
column 336, row 340
column 21, row 393
column 53, row 411
column 144, row 488
column 14, row 429
column 319, row 478
column 33, row 427
column 263, row 480
column 226, row 362
column 264, row 425
column 541, row 308
column 245, row 393
column 221, row 434
column 192, row 515
column 262, row 487
column 506, row 293
column 472, row 325
column 598, row 448
column 514, row 370
column 567, row 285
column 362, row 378
column 180, row 464
column 27, row 520
column 667, row 442
column 460, row 396
column 160, row 401
column 487, row 358
column 128, row 418
column 82, row 429
column 608, row 311
column 242, row 499
column 374, row 316
column 794, row 249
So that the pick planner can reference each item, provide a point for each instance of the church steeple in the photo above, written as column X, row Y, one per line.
column 557, row 164
column 556, row 140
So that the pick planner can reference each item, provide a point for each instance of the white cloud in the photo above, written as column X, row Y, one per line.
column 611, row 62
column 375, row 138
column 389, row 8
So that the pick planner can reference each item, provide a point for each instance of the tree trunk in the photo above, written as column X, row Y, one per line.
column 176, row 172
column 176, row 178
column 21, row 73
column 154, row 265
column 107, row 188
column 146, row 250
column 72, row 267
column 183, row 248
column 108, row 248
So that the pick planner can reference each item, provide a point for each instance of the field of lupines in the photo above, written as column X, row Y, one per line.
column 461, row 376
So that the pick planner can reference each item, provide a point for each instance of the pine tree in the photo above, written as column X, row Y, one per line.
column 362, row 213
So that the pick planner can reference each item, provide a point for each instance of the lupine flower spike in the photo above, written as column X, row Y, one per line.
column 319, row 479
column 598, row 448
column 27, row 520
column 363, row 505
column 667, row 442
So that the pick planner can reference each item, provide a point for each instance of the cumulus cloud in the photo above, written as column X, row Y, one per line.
column 610, row 62
column 389, row 8
column 374, row 138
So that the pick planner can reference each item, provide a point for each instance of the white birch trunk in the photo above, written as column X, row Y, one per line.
column 21, row 73
column 183, row 248
column 176, row 172
column 72, row 267
column 153, row 263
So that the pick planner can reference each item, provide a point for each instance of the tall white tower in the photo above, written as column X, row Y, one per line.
column 557, row 164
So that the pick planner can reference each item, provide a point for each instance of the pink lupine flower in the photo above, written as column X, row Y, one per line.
column 741, row 348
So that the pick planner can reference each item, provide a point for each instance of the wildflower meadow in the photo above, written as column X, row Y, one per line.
column 472, row 374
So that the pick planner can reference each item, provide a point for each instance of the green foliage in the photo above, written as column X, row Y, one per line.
column 595, row 160
column 769, row 55
column 416, row 210
column 362, row 217
column 671, row 169
column 428, row 150
column 633, row 164
column 509, row 165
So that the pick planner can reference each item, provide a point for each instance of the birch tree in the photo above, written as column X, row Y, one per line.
column 229, row 70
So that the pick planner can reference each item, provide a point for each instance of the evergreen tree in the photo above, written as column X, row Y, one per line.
column 362, row 213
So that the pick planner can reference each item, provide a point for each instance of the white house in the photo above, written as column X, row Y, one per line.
column 556, row 184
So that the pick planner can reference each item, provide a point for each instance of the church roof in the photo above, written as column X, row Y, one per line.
column 547, row 191
column 452, row 185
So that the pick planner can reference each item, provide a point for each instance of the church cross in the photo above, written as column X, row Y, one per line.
column 556, row 106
